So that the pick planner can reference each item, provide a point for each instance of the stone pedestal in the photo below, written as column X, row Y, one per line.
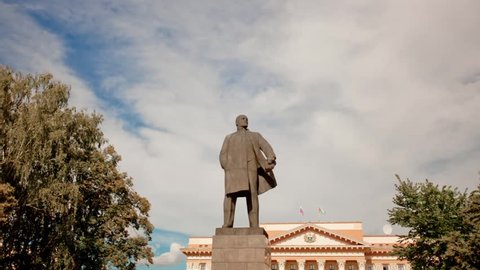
column 240, row 249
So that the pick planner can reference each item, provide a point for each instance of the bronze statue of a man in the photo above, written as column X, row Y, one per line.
column 248, row 160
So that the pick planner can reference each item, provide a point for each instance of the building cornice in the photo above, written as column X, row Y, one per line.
column 318, row 229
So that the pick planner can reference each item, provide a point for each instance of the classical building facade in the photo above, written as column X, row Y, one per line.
column 314, row 246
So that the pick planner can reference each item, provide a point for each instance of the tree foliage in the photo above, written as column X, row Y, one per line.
column 63, row 202
column 443, row 223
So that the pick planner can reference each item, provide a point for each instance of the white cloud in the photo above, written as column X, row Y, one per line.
column 30, row 48
column 174, row 256
column 348, row 94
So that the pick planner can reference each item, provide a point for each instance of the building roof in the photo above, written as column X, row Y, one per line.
column 327, row 236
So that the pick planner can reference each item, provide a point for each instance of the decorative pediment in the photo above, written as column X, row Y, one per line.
column 313, row 235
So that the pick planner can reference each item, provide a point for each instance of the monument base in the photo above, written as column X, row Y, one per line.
column 240, row 249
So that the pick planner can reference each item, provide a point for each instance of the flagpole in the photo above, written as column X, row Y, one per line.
column 302, row 213
column 321, row 212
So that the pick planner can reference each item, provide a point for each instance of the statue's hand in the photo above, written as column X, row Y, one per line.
column 270, row 164
column 271, row 161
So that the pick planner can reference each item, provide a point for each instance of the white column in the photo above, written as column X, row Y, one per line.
column 301, row 264
column 361, row 264
column 341, row 264
column 321, row 264
column 281, row 264
column 377, row 266
column 208, row 266
column 392, row 266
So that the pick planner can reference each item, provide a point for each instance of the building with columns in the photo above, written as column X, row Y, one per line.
column 314, row 246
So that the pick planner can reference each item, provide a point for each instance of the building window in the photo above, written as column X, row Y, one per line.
column 350, row 267
column 385, row 267
column 370, row 267
column 401, row 267
column 293, row 267
column 203, row 266
column 274, row 266
column 331, row 267
column 312, row 267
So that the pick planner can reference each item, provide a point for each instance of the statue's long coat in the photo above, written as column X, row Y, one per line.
column 241, row 157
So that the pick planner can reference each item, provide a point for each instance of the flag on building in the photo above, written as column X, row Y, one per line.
column 301, row 211
column 321, row 211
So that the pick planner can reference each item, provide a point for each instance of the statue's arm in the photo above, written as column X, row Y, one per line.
column 223, row 153
column 266, row 149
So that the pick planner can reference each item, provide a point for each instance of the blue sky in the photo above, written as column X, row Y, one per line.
column 166, row 246
column 348, row 93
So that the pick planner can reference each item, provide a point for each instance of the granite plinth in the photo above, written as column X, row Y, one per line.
column 240, row 249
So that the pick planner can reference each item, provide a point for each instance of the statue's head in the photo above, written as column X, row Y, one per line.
column 241, row 121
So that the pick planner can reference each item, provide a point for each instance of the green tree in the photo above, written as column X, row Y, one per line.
column 64, row 204
column 442, row 223
column 464, row 246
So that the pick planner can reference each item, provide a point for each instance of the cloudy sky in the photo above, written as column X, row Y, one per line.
column 348, row 93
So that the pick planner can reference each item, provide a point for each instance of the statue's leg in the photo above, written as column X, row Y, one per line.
column 252, row 202
column 229, row 211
